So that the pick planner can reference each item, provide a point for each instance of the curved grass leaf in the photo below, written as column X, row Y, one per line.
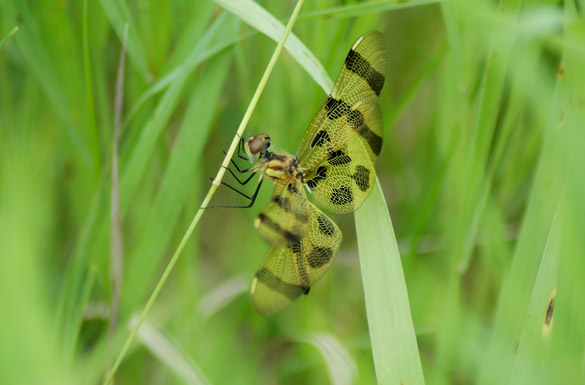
column 6, row 38
column 119, row 15
column 256, row 16
column 34, row 48
column 169, row 353
column 364, row 8
column 392, row 334
column 340, row 365
column 155, row 235
column 221, row 295
column 533, row 344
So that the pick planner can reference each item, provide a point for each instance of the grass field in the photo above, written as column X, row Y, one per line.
column 478, row 278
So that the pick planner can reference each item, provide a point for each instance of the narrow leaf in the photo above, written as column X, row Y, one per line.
column 256, row 16
column 392, row 334
column 340, row 365
column 169, row 354
column 7, row 37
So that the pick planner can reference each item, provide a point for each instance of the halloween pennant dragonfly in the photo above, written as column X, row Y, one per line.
column 335, row 162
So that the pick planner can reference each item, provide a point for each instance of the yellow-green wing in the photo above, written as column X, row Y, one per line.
column 286, row 218
column 341, row 146
column 291, row 270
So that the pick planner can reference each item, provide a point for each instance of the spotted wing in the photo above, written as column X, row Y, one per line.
column 286, row 218
column 341, row 146
column 292, row 269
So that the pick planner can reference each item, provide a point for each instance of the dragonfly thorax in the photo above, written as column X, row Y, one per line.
column 258, row 148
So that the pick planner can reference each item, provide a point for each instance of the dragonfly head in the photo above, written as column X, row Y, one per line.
column 256, row 146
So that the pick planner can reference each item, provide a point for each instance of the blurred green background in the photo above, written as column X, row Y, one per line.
column 483, row 170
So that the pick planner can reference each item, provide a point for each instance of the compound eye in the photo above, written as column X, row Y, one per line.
column 255, row 144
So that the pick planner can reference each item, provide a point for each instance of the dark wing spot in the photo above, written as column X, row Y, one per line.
column 357, row 64
column 302, row 270
column 341, row 196
column 336, row 108
column 355, row 119
column 362, row 177
column 290, row 237
column 376, row 82
column 319, row 256
column 330, row 104
column 325, row 225
column 289, row 290
column 321, row 174
column 320, row 139
column 338, row 158
column 296, row 248
column 373, row 139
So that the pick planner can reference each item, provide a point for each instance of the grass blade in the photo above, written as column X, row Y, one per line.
column 169, row 354
column 32, row 45
column 392, row 334
column 340, row 365
column 93, row 135
column 155, row 235
column 256, row 16
column 119, row 15
column 6, row 38
column 221, row 295
column 364, row 8
column 116, row 234
column 135, row 166
column 539, row 317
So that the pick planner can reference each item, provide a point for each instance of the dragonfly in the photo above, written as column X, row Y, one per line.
column 335, row 163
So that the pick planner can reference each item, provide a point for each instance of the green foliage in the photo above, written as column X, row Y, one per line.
column 481, row 170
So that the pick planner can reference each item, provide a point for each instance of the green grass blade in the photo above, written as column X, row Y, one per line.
column 170, row 354
column 6, row 38
column 533, row 343
column 470, row 164
column 392, row 333
column 134, row 168
column 256, row 16
column 144, row 258
column 518, row 287
column 79, row 278
column 221, row 295
column 116, row 234
column 186, row 57
column 93, row 135
column 568, row 324
column 364, row 8
column 25, row 215
column 119, row 14
column 34, row 49
column 340, row 365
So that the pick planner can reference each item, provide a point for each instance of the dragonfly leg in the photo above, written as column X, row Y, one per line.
column 251, row 198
